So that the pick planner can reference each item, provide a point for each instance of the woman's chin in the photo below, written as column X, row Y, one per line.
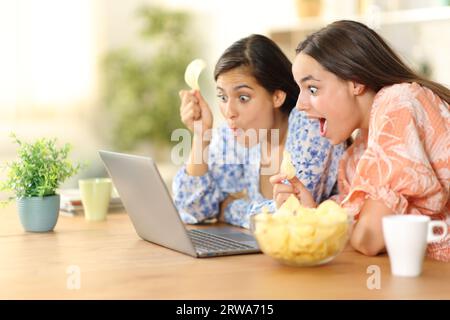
column 335, row 143
column 336, row 140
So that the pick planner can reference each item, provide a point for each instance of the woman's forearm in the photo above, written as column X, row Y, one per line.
column 197, row 164
column 367, row 236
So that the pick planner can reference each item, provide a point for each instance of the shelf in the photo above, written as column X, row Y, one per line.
column 378, row 18
column 412, row 33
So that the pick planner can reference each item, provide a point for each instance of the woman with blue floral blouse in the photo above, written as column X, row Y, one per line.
column 257, row 93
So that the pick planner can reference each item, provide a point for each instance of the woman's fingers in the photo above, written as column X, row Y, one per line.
column 190, row 112
column 281, row 198
column 187, row 116
column 278, row 178
column 298, row 185
column 281, row 192
column 205, row 111
column 186, row 98
column 189, row 104
column 305, row 196
column 184, row 111
column 283, row 188
column 200, row 100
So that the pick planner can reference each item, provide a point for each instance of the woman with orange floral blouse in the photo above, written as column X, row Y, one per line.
column 399, row 163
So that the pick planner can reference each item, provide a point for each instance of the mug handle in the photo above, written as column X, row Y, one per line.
column 436, row 237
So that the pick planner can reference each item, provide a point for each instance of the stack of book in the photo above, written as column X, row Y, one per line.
column 71, row 202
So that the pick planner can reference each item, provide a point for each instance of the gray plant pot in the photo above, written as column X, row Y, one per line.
column 38, row 214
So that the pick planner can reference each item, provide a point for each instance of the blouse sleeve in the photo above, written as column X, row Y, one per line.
column 396, row 166
column 197, row 198
column 239, row 211
column 314, row 157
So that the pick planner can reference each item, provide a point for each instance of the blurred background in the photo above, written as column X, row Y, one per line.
column 105, row 74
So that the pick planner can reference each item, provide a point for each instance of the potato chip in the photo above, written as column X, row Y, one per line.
column 192, row 73
column 276, row 239
column 287, row 167
column 289, row 207
column 332, row 211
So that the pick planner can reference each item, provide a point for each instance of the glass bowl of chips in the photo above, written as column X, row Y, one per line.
column 299, row 236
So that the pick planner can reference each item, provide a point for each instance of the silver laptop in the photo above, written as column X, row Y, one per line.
column 155, row 218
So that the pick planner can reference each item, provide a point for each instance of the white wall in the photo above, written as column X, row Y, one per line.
column 110, row 24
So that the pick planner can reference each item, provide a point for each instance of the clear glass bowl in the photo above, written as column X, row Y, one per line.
column 305, row 241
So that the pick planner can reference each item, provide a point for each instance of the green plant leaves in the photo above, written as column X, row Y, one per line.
column 42, row 166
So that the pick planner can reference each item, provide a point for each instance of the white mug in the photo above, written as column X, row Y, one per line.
column 406, row 238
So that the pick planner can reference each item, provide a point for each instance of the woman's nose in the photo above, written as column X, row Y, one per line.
column 230, row 110
column 301, row 104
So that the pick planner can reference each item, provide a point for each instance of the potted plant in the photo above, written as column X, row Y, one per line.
column 33, row 178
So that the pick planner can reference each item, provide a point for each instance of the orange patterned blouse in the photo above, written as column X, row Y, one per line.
column 405, row 159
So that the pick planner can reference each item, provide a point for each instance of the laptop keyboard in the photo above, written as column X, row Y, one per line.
column 211, row 243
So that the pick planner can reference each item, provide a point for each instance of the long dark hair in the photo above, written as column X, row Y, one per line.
column 266, row 62
column 353, row 51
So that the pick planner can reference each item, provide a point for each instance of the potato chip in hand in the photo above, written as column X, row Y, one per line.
column 287, row 167
column 192, row 73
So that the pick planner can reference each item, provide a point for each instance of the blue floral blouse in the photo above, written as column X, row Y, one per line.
column 234, row 168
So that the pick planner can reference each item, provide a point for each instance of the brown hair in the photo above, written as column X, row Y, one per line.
column 267, row 63
column 354, row 52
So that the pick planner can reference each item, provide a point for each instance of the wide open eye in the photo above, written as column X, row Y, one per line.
column 222, row 97
column 312, row 89
column 244, row 98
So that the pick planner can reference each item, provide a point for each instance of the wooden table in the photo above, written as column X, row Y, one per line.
column 114, row 263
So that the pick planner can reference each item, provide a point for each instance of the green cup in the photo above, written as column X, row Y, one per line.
column 95, row 197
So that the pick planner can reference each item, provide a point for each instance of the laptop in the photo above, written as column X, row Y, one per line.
column 155, row 218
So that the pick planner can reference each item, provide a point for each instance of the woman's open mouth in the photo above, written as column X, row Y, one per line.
column 236, row 131
column 323, row 126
